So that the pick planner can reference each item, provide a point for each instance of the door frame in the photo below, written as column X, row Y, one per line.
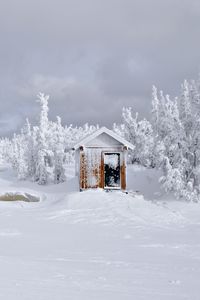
column 103, row 168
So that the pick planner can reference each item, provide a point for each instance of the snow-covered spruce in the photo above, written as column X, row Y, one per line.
column 43, row 152
column 171, row 141
column 140, row 134
column 176, row 124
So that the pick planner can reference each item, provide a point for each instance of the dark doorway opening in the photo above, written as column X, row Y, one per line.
column 112, row 170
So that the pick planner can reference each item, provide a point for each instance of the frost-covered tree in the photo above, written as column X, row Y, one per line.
column 41, row 175
column 59, row 153
column 22, row 171
column 17, row 156
column 5, row 150
column 172, row 179
column 43, row 152
column 155, row 110
column 29, row 144
column 14, row 151
column 140, row 134
column 177, row 127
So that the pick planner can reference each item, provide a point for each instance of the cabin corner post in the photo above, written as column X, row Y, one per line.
column 102, row 171
column 123, row 169
column 82, row 169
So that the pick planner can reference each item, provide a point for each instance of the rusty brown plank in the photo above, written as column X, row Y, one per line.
column 123, row 176
column 82, row 170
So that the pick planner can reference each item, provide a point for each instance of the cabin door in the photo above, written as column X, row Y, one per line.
column 112, row 178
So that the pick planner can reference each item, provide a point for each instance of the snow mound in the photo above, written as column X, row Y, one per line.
column 145, row 180
column 116, row 207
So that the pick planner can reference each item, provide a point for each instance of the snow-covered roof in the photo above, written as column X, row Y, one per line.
column 107, row 131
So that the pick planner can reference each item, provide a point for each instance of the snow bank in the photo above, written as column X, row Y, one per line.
column 97, row 244
column 98, row 206
column 146, row 181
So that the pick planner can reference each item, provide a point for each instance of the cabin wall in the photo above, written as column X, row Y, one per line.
column 83, row 171
column 91, row 166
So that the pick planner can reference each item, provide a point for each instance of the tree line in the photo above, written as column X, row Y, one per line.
column 41, row 153
column 169, row 141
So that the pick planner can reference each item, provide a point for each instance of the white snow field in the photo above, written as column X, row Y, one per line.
column 98, row 245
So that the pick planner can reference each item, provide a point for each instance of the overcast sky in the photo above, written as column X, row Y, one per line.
column 93, row 56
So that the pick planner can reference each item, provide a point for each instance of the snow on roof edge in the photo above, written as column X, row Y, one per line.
column 100, row 131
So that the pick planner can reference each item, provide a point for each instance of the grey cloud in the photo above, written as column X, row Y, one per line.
column 93, row 57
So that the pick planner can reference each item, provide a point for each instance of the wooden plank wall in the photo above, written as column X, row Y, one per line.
column 82, row 171
column 123, row 176
column 100, row 171
column 123, row 170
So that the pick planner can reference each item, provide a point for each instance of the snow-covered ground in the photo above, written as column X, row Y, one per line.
column 98, row 245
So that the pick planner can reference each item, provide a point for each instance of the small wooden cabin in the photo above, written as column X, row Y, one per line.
column 101, row 160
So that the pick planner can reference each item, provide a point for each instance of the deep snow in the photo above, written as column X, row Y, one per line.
column 98, row 245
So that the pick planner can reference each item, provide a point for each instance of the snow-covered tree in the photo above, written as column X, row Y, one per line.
column 178, row 129
column 172, row 179
column 43, row 152
column 155, row 110
column 140, row 134
column 59, row 153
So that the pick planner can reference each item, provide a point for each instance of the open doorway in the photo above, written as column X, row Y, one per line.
column 112, row 178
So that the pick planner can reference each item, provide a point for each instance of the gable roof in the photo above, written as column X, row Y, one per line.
column 100, row 131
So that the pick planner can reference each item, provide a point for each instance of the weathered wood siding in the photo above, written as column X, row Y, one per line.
column 83, row 174
column 91, row 166
column 123, row 176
